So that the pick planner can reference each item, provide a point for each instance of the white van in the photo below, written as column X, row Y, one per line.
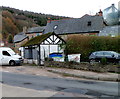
column 9, row 57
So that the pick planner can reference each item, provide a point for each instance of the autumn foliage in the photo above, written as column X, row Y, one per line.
column 13, row 20
column 8, row 24
column 11, row 25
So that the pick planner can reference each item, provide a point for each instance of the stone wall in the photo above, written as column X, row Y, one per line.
column 96, row 67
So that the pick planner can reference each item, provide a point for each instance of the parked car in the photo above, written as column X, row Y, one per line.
column 9, row 57
column 110, row 56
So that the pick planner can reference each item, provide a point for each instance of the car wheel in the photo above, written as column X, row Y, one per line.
column 12, row 63
column 119, row 62
column 92, row 61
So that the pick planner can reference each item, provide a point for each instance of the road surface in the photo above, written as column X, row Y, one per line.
column 32, row 85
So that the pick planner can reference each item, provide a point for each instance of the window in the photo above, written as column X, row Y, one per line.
column 37, row 34
column 108, row 54
column 55, row 27
column 99, row 54
column 32, row 36
column 89, row 23
column 30, row 54
column 5, row 53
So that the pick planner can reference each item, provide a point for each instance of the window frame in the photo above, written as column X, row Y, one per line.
column 8, row 54
column 89, row 23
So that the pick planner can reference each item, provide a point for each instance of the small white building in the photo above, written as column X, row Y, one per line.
column 1, row 44
column 40, row 47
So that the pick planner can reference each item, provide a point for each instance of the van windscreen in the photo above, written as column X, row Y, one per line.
column 11, row 52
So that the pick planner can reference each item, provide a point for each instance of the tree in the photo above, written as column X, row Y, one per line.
column 41, row 21
column 6, row 14
column 10, row 38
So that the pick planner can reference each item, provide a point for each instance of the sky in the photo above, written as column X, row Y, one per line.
column 69, row 8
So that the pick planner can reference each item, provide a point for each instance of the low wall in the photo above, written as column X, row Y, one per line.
column 96, row 67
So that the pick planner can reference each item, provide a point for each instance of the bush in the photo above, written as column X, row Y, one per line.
column 103, row 61
column 48, row 59
column 73, row 62
column 10, row 39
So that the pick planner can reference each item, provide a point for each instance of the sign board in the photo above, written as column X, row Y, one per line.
column 57, row 57
column 74, row 57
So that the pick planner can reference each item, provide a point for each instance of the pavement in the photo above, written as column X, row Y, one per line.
column 86, row 74
column 60, row 72
column 14, row 91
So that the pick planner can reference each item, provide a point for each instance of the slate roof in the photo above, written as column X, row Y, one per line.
column 79, row 25
column 36, row 29
column 20, row 37
column 110, row 31
column 37, row 40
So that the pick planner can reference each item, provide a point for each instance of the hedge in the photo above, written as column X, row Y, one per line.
column 85, row 45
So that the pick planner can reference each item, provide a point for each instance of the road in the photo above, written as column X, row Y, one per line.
column 55, row 87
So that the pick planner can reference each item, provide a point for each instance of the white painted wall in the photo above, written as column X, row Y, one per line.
column 47, row 49
column 21, row 49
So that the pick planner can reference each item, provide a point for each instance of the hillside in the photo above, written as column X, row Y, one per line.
column 0, row 36
column 13, row 20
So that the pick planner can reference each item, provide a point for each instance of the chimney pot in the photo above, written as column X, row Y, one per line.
column 100, row 12
column 24, row 29
column 113, row 4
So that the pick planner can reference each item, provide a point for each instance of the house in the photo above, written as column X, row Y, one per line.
column 86, row 25
column 111, row 16
column 27, row 34
column 35, row 31
column 112, row 31
column 40, row 47
column 20, row 39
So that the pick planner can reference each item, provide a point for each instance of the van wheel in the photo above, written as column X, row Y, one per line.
column 119, row 62
column 12, row 63
column 92, row 61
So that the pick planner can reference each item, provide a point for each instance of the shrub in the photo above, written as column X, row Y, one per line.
column 10, row 39
column 48, row 59
column 103, row 61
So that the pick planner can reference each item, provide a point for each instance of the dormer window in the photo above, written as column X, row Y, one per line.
column 55, row 27
column 89, row 23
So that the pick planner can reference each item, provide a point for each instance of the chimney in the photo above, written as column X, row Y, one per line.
column 113, row 8
column 100, row 13
column 113, row 4
column 49, row 20
column 24, row 29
